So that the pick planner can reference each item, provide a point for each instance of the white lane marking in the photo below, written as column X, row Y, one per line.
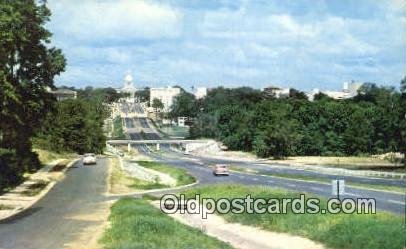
column 241, row 177
column 291, row 185
column 255, row 179
column 269, row 181
column 352, row 194
column 397, row 202
column 317, row 189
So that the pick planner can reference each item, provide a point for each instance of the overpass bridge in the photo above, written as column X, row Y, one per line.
column 188, row 144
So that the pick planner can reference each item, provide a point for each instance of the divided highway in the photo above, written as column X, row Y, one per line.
column 197, row 165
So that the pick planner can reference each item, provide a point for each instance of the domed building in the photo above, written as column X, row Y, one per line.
column 128, row 86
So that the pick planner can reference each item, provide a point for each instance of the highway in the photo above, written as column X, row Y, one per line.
column 199, row 167
column 66, row 211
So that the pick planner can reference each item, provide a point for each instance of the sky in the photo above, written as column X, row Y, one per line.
column 303, row 44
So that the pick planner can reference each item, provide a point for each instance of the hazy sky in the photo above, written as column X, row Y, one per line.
column 301, row 44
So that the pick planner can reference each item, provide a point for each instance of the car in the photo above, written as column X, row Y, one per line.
column 220, row 169
column 89, row 158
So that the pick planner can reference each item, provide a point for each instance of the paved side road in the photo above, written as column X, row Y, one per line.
column 63, row 214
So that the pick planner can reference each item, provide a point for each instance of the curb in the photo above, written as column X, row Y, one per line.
column 38, row 197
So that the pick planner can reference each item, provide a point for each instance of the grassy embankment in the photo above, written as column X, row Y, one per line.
column 348, row 231
column 321, row 179
column 137, row 224
column 349, row 162
column 46, row 156
column 180, row 175
column 121, row 182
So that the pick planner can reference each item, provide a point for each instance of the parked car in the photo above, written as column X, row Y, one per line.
column 89, row 158
column 221, row 169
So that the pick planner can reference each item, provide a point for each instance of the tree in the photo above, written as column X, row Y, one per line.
column 296, row 94
column 277, row 131
column 143, row 95
column 28, row 65
column 184, row 106
column 403, row 85
column 157, row 104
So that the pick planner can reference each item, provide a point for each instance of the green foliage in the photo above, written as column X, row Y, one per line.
column 118, row 132
column 137, row 224
column 380, row 230
column 157, row 104
column 143, row 95
column 242, row 119
column 76, row 125
column 184, row 106
column 180, row 175
column 28, row 65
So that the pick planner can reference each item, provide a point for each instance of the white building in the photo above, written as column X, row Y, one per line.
column 201, row 92
column 352, row 87
column 128, row 87
column 165, row 94
column 62, row 93
column 350, row 90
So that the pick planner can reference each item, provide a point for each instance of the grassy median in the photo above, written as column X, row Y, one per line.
column 134, row 223
column 382, row 230
column 121, row 182
column 181, row 175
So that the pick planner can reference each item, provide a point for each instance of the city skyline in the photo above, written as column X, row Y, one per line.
column 230, row 43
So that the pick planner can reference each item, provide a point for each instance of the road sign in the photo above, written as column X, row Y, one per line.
column 338, row 187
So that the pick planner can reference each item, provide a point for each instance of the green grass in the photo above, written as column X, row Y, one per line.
column 181, row 175
column 137, row 224
column 120, row 182
column 46, row 156
column 358, row 231
column 5, row 207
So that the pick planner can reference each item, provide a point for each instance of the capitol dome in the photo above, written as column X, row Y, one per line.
column 128, row 78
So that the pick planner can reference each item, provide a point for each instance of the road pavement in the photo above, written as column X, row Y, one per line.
column 197, row 166
column 386, row 201
column 59, row 217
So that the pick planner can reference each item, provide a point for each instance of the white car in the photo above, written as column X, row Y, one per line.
column 89, row 158
column 221, row 169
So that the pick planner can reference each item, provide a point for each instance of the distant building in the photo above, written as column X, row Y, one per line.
column 165, row 94
column 350, row 90
column 201, row 92
column 128, row 87
column 63, row 93
column 337, row 94
column 352, row 87
column 276, row 92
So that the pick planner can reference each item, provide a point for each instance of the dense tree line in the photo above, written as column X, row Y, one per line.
column 245, row 119
column 28, row 65
column 29, row 113
column 76, row 125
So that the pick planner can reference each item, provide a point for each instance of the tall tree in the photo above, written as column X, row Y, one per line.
column 28, row 65
column 157, row 104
